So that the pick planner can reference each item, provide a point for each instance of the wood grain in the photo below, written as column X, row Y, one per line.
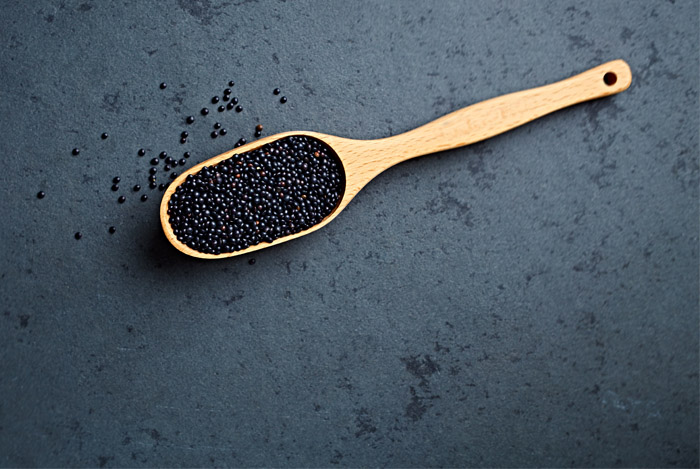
column 364, row 159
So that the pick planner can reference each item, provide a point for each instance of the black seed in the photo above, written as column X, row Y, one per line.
column 141, row 152
column 112, row 229
column 144, row 197
column 242, row 141
column 152, row 184
column 115, row 187
column 161, row 187
column 163, row 154
column 76, row 151
column 276, row 91
column 153, row 170
column 258, row 134
column 41, row 195
column 258, row 196
column 116, row 179
column 214, row 134
column 283, row 99
column 137, row 188
column 190, row 119
column 251, row 262
column 204, row 111
column 168, row 160
column 215, row 100
column 184, row 134
column 222, row 132
column 173, row 163
column 230, row 106
column 183, row 141
column 78, row 235
column 234, row 100
column 121, row 199
column 226, row 97
column 217, row 125
column 259, row 128
column 163, row 85
column 239, row 108
column 155, row 161
column 104, row 136
column 221, row 108
column 173, row 175
column 183, row 161
column 230, row 83
column 152, row 177
column 227, row 91
column 186, row 154
column 166, row 167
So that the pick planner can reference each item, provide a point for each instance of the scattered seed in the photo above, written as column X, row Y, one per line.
column 239, row 108
column 230, row 105
column 104, row 136
column 215, row 100
column 161, row 187
column 112, row 230
column 214, row 134
column 152, row 184
column 144, row 197
column 227, row 91
column 41, row 195
column 184, row 134
column 173, row 175
column 259, row 128
column 230, row 83
column 234, row 100
column 78, row 235
column 217, row 125
column 155, row 161
column 163, row 85
column 251, row 262
column 76, row 151
column 222, row 132
column 137, row 188
column 221, row 108
column 190, row 119
column 115, row 187
column 121, row 199
column 166, row 167
column 186, row 154
column 182, row 162
column 204, row 111
column 153, row 170
column 283, row 99
column 276, row 91
column 141, row 152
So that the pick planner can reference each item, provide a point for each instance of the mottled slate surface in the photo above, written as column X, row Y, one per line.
column 531, row 300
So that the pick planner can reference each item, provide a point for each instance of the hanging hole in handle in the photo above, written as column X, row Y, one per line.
column 610, row 78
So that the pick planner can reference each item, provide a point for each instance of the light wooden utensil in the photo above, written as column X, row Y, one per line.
column 362, row 160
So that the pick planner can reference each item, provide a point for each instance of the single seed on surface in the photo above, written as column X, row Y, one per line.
column 204, row 111
column 152, row 178
column 230, row 83
column 226, row 97
column 183, row 141
column 230, row 106
column 78, row 235
column 222, row 132
column 214, row 134
column 112, row 229
column 259, row 128
column 215, row 100
column 141, row 152
column 166, row 167
column 242, row 141
column 239, row 108
column 161, row 187
column 173, row 163
column 276, row 91
column 115, row 187
column 217, row 125
column 155, row 161
column 163, row 85
column 190, row 119
column 258, row 134
column 41, row 195
column 163, row 154
column 137, row 188
column 104, row 136
column 221, row 108
column 76, row 151
column 153, row 170
column 168, row 160
column 251, row 262
column 186, row 154
column 227, row 91
column 152, row 184
column 173, row 175
column 121, row 199
column 234, row 100
column 144, row 197
column 116, row 180
column 184, row 134
column 182, row 162
column 283, row 99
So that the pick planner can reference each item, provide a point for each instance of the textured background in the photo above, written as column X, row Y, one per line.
column 531, row 300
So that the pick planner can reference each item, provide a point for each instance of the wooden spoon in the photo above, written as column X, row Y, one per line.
column 362, row 160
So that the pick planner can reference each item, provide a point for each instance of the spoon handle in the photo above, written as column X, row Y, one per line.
column 497, row 115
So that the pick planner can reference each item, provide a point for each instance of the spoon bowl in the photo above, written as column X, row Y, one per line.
column 362, row 160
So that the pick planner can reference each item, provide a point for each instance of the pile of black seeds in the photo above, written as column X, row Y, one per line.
column 279, row 189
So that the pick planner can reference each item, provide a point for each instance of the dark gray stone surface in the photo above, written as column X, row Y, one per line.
column 531, row 300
